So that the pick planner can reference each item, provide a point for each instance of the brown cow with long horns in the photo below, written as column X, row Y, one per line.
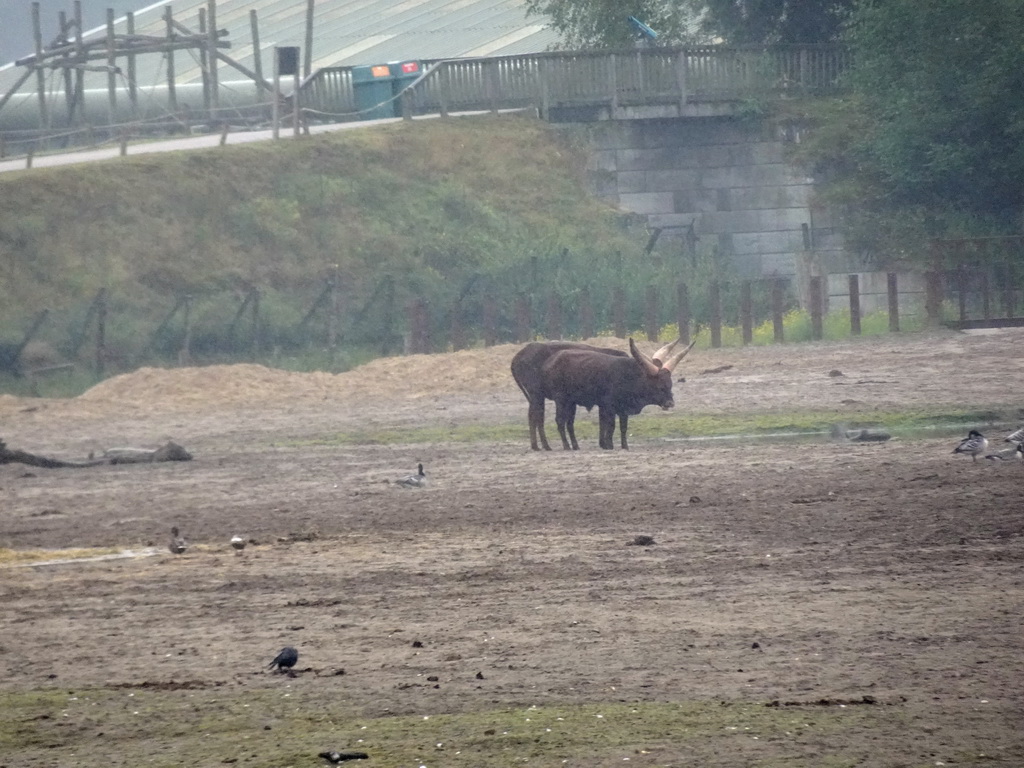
column 618, row 386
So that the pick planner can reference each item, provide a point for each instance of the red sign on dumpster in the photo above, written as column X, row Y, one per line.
column 410, row 66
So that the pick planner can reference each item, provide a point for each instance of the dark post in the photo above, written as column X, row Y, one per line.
column 816, row 320
column 588, row 327
column 746, row 312
column 334, row 318
column 554, row 316
column 933, row 296
column 203, row 66
column 854, row 305
column 1008, row 298
column 211, row 58
column 715, row 300
column 619, row 312
column 255, row 322
column 307, row 61
column 894, row 303
column 522, row 319
column 111, row 65
column 185, row 353
column 44, row 120
column 133, row 91
column 101, row 331
column 172, row 97
column 490, row 322
column 961, row 289
column 986, row 298
column 683, row 312
column 257, row 54
column 778, row 297
column 458, row 332
column 652, row 313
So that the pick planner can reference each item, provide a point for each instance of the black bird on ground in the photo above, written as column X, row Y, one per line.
column 340, row 757
column 177, row 544
column 285, row 660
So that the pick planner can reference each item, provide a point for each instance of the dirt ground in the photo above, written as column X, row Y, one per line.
column 809, row 573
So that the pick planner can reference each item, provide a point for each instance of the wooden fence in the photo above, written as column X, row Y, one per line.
column 651, row 76
column 960, row 296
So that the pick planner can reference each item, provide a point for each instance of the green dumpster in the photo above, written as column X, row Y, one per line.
column 404, row 73
column 372, row 88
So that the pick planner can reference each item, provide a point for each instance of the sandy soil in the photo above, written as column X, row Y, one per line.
column 892, row 571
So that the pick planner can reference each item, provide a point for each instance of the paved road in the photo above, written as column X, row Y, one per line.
column 175, row 145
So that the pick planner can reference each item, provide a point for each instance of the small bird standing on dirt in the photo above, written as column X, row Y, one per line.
column 238, row 543
column 419, row 480
column 1015, row 437
column 285, row 660
column 177, row 544
column 973, row 444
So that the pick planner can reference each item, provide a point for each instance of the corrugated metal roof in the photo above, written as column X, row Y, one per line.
column 345, row 32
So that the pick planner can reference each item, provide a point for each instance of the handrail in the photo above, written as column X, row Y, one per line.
column 650, row 76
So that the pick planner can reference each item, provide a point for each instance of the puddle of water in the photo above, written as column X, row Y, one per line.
column 122, row 555
column 825, row 435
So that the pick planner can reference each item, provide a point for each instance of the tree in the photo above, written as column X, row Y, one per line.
column 774, row 21
column 930, row 142
column 602, row 23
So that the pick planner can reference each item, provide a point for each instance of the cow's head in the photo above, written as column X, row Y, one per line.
column 656, row 388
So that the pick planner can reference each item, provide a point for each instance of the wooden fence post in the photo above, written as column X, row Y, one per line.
column 457, row 329
column 986, row 298
column 588, row 326
column 715, row 299
column 961, row 289
column 554, row 319
column 619, row 312
column 1009, row 309
column 933, row 297
column 854, row 304
column 490, row 321
column 255, row 323
column 894, row 303
column 101, row 332
column 185, row 353
column 652, row 313
column 778, row 297
column 522, row 319
column 683, row 318
column 747, row 312
column 817, row 330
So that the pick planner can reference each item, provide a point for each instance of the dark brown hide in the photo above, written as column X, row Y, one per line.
column 526, row 370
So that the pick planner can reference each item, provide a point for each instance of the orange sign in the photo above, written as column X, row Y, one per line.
column 380, row 70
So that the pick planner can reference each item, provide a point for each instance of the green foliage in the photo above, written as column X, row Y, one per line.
column 775, row 21
column 930, row 142
column 603, row 23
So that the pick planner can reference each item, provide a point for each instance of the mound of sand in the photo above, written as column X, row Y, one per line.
column 412, row 377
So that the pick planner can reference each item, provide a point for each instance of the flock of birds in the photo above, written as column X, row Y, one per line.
column 976, row 444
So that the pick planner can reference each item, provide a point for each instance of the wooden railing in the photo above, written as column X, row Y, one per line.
column 675, row 76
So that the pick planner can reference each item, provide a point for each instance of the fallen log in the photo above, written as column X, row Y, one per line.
column 170, row 451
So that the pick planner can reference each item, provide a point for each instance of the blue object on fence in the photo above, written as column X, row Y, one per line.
column 643, row 29
column 372, row 87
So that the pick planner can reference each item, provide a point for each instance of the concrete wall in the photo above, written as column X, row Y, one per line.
column 722, row 179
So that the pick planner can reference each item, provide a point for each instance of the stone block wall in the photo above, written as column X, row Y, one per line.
column 722, row 179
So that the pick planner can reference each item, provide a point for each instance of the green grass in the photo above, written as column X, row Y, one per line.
column 208, row 726
column 687, row 424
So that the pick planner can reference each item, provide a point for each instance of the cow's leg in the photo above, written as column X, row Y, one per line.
column 561, row 412
column 623, row 421
column 540, row 425
column 570, row 422
column 536, row 422
column 606, row 427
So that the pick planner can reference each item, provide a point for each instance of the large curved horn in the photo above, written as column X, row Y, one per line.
column 649, row 367
column 671, row 364
column 662, row 354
